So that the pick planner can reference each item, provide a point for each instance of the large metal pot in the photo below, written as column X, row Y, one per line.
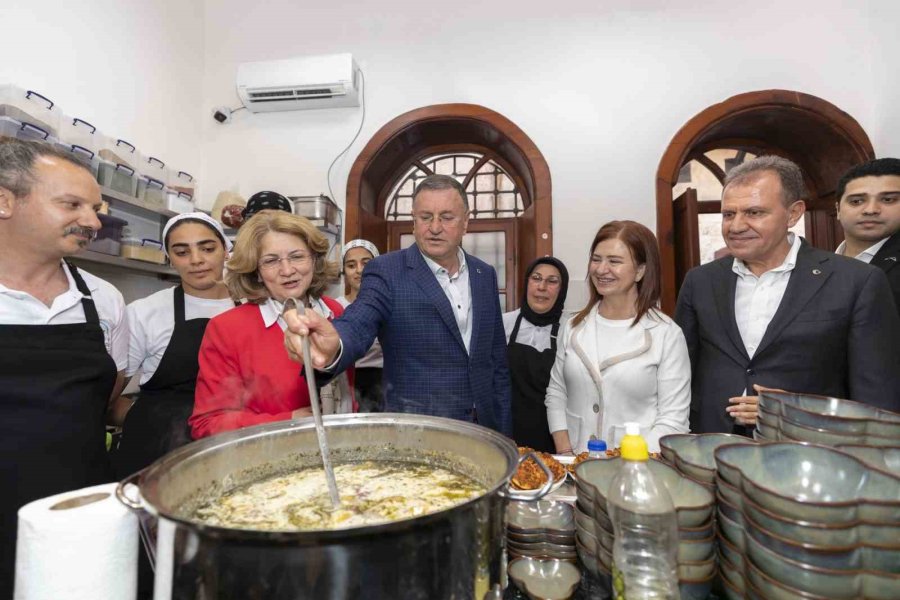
column 455, row 553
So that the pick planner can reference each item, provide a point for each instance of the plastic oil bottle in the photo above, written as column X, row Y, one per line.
column 646, row 531
column 596, row 449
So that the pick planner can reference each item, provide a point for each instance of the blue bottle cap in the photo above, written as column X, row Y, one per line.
column 596, row 446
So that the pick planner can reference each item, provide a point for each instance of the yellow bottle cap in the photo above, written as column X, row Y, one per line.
column 633, row 446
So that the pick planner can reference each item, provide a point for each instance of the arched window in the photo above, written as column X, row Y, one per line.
column 504, row 173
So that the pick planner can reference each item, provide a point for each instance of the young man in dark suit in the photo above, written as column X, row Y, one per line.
column 779, row 313
column 868, row 209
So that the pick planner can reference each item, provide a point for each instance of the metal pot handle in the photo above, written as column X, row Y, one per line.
column 135, row 505
column 531, row 495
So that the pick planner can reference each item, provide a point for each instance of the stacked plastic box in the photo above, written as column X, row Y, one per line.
column 27, row 114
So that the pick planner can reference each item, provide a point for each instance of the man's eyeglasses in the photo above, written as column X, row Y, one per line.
column 295, row 259
column 446, row 219
column 551, row 281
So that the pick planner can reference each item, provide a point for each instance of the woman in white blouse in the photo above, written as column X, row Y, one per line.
column 620, row 359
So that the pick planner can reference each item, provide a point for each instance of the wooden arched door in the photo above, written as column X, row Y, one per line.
column 415, row 138
column 824, row 140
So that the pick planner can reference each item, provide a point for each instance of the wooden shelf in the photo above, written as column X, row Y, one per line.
column 115, row 196
column 124, row 263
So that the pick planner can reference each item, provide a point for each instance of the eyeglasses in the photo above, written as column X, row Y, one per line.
column 551, row 281
column 295, row 259
column 447, row 220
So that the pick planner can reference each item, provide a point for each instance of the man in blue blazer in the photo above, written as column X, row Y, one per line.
column 435, row 310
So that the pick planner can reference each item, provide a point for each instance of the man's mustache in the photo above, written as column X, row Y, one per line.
column 88, row 232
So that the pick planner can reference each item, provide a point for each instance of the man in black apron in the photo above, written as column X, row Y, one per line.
column 55, row 380
column 529, row 368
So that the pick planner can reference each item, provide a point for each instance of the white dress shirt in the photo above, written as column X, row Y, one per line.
column 271, row 311
column 21, row 308
column 756, row 299
column 866, row 255
column 152, row 322
column 456, row 287
column 538, row 337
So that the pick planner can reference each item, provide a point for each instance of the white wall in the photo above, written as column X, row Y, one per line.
column 133, row 68
column 601, row 88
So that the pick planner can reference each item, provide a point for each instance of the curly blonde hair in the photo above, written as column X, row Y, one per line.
column 242, row 269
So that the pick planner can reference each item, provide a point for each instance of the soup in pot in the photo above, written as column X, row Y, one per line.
column 371, row 492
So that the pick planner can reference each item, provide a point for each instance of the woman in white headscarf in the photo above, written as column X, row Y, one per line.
column 166, row 330
column 367, row 385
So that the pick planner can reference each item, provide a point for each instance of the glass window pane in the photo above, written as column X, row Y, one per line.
column 506, row 201
column 444, row 166
column 464, row 164
column 406, row 240
column 485, row 183
column 407, row 188
column 489, row 246
column 504, row 183
column 404, row 205
column 503, row 307
column 484, row 202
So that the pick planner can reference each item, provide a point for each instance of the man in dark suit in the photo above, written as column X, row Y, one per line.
column 779, row 313
column 868, row 209
column 436, row 311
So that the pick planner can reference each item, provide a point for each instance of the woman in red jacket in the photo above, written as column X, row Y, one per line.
column 246, row 377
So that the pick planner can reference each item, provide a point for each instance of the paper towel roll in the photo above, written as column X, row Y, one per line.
column 85, row 548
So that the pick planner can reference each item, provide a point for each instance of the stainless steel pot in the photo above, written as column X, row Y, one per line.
column 456, row 553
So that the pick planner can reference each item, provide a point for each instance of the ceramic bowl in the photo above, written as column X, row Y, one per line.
column 604, row 558
column 732, row 494
column 583, row 521
column 697, row 550
column 693, row 454
column 696, row 533
column 769, row 432
column 543, row 549
column 730, row 592
column 729, row 510
column 731, row 531
column 853, row 558
column 588, row 540
column 731, row 573
column 832, row 414
column 693, row 502
column 696, row 570
column 810, row 482
column 731, row 553
column 696, row 589
column 586, row 559
column 767, row 588
column 806, row 433
column 824, row 534
column 824, row 582
column 886, row 458
column 543, row 579
column 565, row 539
column 543, row 516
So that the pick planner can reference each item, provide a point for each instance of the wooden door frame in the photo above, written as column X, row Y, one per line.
column 704, row 130
column 395, row 145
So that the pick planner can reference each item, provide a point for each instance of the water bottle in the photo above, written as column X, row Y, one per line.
column 645, row 551
column 596, row 449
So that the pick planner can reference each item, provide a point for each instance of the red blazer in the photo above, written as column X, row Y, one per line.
column 246, row 377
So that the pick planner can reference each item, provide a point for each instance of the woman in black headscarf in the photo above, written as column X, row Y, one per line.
column 531, row 349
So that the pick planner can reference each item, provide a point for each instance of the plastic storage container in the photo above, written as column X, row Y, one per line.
column 146, row 250
column 78, row 132
column 153, row 168
column 179, row 202
column 182, row 182
column 645, row 551
column 109, row 238
column 118, row 152
column 120, row 178
column 13, row 128
column 82, row 155
column 30, row 107
column 152, row 191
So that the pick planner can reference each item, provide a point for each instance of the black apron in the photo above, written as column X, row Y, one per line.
column 529, row 372
column 55, row 383
column 158, row 421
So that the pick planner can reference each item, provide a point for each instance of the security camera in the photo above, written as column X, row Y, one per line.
column 222, row 114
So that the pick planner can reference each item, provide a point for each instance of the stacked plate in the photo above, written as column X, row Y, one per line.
column 693, row 455
column 806, row 521
column 807, row 418
column 542, row 529
column 694, row 506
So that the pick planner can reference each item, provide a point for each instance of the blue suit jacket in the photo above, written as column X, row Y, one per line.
column 426, row 367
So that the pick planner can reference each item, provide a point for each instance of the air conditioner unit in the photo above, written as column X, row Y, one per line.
column 330, row 81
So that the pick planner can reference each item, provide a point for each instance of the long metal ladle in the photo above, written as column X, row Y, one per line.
column 317, row 411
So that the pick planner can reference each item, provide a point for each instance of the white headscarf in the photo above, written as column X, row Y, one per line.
column 359, row 244
column 195, row 216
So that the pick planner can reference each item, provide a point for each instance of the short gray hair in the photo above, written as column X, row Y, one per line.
column 793, row 187
column 442, row 182
column 17, row 163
